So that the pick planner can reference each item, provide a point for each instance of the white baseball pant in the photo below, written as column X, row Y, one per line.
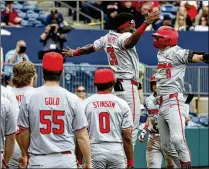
column 155, row 155
column 131, row 96
column 52, row 161
column 108, row 155
column 171, row 125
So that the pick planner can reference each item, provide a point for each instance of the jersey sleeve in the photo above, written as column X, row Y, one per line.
column 11, row 122
column 122, row 40
column 127, row 117
column 183, row 56
column 99, row 44
column 23, row 118
column 80, row 121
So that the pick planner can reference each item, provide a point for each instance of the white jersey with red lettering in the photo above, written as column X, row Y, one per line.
column 108, row 116
column 124, row 62
column 53, row 115
column 171, row 70
column 19, row 92
column 152, row 112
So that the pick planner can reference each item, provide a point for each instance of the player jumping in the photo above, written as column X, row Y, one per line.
column 50, row 118
column 172, row 61
column 123, row 59
column 154, row 153
column 110, row 125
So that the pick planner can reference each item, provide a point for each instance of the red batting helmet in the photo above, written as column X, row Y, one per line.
column 165, row 36
column 103, row 76
column 153, row 81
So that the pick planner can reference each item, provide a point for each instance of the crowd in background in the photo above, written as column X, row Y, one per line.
column 183, row 15
column 189, row 15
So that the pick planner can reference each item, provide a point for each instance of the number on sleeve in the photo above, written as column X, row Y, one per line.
column 104, row 122
column 55, row 120
column 112, row 55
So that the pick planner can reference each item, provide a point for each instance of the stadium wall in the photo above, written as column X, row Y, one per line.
column 193, row 40
column 197, row 139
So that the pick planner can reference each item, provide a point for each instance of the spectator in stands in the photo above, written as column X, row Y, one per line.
column 203, row 12
column 180, row 24
column 54, row 17
column 112, row 11
column 15, row 55
column 203, row 24
column 142, row 13
column 53, row 41
column 81, row 92
column 191, row 8
column 127, row 8
column 10, row 16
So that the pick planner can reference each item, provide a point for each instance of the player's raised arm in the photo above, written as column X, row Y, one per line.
column 200, row 57
column 133, row 39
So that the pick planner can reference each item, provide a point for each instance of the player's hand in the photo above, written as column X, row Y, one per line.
column 87, row 166
column 153, row 16
column 67, row 52
column 23, row 162
column 141, row 137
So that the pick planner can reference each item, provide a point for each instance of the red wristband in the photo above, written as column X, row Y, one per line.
column 142, row 28
column 80, row 162
column 145, row 127
column 76, row 52
column 130, row 162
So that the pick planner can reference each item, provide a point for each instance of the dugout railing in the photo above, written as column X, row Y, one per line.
column 196, row 78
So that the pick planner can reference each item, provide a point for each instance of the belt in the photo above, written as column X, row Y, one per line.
column 64, row 152
column 166, row 97
column 132, row 81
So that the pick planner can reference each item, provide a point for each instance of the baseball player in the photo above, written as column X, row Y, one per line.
column 8, row 129
column 123, row 59
column 53, row 115
column 154, row 153
column 110, row 124
column 22, row 79
column 172, row 61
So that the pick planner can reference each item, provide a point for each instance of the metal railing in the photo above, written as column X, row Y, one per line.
column 196, row 78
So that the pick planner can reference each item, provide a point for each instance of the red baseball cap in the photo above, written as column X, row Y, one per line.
column 104, row 76
column 53, row 61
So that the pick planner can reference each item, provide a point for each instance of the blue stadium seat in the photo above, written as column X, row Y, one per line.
column 2, row 6
column 32, row 22
column 17, row 6
column 27, row 7
column 42, row 16
column 169, row 8
column 204, row 121
column 32, row 14
column 22, row 15
column 24, row 23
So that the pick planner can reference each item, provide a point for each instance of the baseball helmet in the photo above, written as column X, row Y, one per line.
column 103, row 76
column 165, row 36
column 153, row 81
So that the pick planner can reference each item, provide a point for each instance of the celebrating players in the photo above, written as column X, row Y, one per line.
column 172, row 61
column 123, row 59
column 154, row 153
column 49, row 116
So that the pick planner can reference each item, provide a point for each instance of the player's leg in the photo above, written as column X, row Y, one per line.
column 176, row 122
column 154, row 156
column 165, row 142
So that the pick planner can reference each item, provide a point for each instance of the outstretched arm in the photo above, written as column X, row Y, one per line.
column 200, row 58
column 79, row 51
column 133, row 39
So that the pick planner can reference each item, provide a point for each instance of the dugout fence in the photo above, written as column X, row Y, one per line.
column 196, row 78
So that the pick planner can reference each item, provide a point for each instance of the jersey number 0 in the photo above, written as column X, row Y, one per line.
column 59, row 122
column 104, row 122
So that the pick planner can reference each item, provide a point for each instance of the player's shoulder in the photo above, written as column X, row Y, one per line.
column 149, row 99
column 125, row 35
column 5, row 92
column 4, row 101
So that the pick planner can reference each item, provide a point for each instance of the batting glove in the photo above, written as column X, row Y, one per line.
column 143, row 134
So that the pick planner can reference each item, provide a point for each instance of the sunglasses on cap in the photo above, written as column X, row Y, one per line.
column 79, row 91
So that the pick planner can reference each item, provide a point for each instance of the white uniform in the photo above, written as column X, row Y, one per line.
column 154, row 152
column 53, row 115
column 107, row 116
column 19, row 93
column 125, row 63
column 8, row 122
column 173, row 110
